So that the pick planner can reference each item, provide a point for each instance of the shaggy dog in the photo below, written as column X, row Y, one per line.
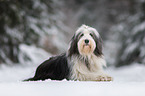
column 83, row 61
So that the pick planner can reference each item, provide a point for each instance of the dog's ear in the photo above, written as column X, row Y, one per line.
column 98, row 49
column 73, row 48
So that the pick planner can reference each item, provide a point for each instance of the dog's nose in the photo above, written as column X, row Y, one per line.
column 86, row 41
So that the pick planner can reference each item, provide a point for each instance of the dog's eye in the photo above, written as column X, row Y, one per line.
column 91, row 34
column 81, row 35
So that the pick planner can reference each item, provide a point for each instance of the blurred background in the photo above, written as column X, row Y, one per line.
column 33, row 30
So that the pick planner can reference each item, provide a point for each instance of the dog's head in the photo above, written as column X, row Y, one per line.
column 85, row 41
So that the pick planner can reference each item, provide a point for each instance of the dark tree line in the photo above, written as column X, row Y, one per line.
column 18, row 19
column 27, row 21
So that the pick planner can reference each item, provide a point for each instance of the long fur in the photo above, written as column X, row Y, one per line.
column 56, row 68
column 83, row 61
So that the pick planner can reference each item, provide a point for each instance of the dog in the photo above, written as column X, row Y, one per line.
column 83, row 60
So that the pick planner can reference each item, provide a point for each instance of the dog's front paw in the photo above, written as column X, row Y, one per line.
column 104, row 78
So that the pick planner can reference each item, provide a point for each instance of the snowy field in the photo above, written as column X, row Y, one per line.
column 128, row 81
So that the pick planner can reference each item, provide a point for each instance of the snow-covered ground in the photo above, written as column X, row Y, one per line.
column 128, row 81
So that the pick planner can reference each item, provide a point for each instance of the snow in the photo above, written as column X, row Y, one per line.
column 35, row 54
column 139, row 28
column 71, row 89
column 128, row 81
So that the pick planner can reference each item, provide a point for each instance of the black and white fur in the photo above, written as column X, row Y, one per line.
column 83, row 61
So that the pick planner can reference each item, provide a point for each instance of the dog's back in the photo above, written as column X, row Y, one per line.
column 55, row 68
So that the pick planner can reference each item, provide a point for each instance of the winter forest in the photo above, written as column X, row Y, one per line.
column 33, row 30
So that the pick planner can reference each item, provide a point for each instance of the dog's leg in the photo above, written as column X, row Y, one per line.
column 102, row 76
column 99, row 76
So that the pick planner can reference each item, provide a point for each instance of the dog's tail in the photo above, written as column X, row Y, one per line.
column 30, row 79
